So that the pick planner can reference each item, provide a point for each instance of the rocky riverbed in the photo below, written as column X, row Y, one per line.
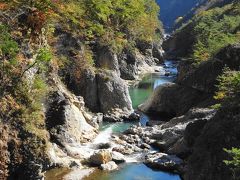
column 112, row 149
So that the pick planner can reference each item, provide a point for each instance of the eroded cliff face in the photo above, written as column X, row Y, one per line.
column 195, row 86
column 206, row 160
column 103, row 85
column 68, row 80
column 199, row 133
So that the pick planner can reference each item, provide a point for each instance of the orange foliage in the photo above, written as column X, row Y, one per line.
column 3, row 6
column 36, row 21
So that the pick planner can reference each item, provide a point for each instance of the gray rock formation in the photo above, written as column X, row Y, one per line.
column 118, row 157
column 110, row 166
column 157, row 52
column 128, row 64
column 206, row 160
column 65, row 117
column 108, row 60
column 105, row 92
column 102, row 156
column 114, row 99
column 163, row 161
column 172, row 99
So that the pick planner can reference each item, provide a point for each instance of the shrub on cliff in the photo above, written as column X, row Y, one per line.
column 21, row 99
column 234, row 163
column 209, row 31
column 229, row 86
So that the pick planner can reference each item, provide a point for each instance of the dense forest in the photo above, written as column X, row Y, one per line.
column 71, row 72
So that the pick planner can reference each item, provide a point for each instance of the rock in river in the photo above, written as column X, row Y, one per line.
column 110, row 166
column 118, row 157
column 163, row 161
column 101, row 157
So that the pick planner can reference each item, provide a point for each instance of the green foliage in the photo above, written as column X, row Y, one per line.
column 229, row 85
column 8, row 47
column 44, row 56
column 113, row 23
column 235, row 154
column 235, row 162
column 212, row 30
column 42, row 5
column 21, row 100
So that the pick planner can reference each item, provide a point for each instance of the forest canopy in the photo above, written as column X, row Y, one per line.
column 111, row 22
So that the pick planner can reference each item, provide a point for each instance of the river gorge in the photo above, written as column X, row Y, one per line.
column 133, row 168
column 119, row 89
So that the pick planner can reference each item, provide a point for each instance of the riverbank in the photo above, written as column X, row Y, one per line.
column 110, row 132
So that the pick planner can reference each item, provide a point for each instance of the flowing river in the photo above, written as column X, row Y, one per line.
column 132, row 169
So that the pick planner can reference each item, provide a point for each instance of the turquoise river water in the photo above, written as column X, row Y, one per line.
column 133, row 171
column 139, row 94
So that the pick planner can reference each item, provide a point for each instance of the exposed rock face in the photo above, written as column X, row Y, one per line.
column 65, row 119
column 230, row 56
column 206, row 161
column 157, row 52
column 106, row 92
column 195, row 86
column 172, row 99
column 203, row 78
column 102, row 86
column 87, row 87
column 107, row 59
column 113, row 95
column 101, row 157
column 128, row 63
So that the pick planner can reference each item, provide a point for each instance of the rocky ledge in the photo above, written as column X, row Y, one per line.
column 195, row 85
column 174, row 139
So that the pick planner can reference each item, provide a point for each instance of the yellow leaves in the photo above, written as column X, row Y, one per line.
column 220, row 95
column 8, row 105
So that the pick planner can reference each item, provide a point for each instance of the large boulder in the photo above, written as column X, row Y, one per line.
column 102, row 156
column 65, row 120
column 118, row 157
column 114, row 99
column 110, row 166
column 172, row 99
column 163, row 161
